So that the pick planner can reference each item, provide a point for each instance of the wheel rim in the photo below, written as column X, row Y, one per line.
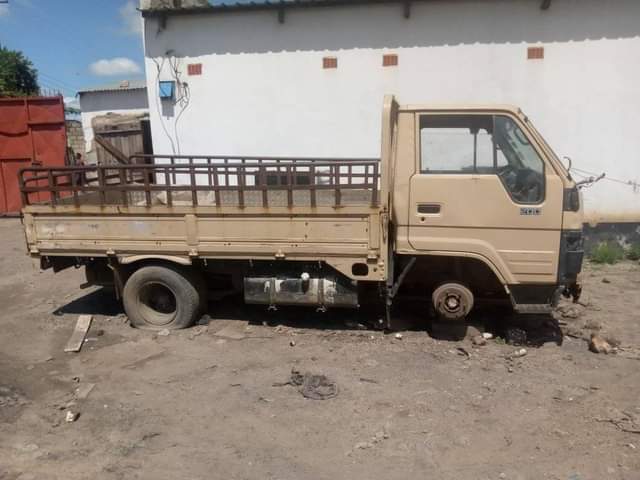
column 157, row 304
column 452, row 301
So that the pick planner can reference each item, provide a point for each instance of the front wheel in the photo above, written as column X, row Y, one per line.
column 159, row 297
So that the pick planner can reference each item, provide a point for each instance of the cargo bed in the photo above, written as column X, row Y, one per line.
column 210, row 208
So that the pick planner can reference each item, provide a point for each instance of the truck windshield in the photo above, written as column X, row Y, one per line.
column 518, row 164
column 547, row 147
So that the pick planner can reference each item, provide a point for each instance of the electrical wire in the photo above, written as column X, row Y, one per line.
column 159, row 67
column 588, row 174
column 617, row 180
column 183, row 101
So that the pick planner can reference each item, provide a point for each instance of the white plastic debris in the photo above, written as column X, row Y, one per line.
column 398, row 336
column 521, row 352
column 71, row 417
column 487, row 335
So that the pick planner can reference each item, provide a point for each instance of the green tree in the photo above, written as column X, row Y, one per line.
column 18, row 77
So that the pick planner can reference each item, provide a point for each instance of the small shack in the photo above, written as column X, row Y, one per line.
column 115, row 121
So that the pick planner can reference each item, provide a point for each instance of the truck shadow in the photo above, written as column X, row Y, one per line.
column 97, row 302
column 530, row 330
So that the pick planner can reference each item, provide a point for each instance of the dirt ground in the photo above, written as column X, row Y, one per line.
column 201, row 403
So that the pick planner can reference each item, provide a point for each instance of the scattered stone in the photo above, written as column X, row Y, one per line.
column 100, row 333
column 473, row 331
column 487, row 335
column 597, row 344
column 71, row 417
column 165, row 332
column 605, row 280
column 571, row 311
column 380, row 436
column 521, row 352
column 292, row 343
column 479, row 340
column 197, row 331
column 398, row 336
column 363, row 446
column 631, row 446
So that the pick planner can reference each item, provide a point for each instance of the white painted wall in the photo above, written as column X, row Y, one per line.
column 123, row 102
column 263, row 91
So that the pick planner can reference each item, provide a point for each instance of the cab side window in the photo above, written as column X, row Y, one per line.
column 482, row 145
column 455, row 143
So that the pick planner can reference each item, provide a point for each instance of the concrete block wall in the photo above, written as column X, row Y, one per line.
column 75, row 136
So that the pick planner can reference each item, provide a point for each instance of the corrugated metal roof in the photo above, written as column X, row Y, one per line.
column 117, row 86
column 155, row 7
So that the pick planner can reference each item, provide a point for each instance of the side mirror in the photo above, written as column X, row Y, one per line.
column 569, row 162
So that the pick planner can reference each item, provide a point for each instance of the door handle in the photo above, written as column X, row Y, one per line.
column 429, row 208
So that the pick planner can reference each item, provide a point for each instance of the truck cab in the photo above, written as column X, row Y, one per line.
column 485, row 206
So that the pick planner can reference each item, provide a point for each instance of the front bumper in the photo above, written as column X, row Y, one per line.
column 570, row 262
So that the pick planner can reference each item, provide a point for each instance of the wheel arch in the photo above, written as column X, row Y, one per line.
column 151, row 258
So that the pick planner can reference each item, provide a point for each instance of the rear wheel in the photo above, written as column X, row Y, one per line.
column 158, row 297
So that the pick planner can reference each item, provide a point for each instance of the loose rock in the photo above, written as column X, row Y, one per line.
column 597, row 344
column 479, row 340
column 363, row 445
column 398, row 336
column 165, row 332
column 570, row 311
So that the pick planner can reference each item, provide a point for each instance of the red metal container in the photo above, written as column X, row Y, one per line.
column 32, row 133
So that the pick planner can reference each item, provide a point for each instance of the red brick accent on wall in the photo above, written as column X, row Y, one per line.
column 194, row 69
column 535, row 53
column 329, row 62
column 389, row 60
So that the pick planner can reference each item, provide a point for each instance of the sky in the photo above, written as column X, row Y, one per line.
column 75, row 44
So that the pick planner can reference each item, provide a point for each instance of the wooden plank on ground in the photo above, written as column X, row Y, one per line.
column 77, row 337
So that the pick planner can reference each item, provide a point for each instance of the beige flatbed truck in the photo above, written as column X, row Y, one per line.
column 465, row 204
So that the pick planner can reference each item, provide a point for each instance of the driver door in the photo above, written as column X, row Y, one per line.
column 483, row 187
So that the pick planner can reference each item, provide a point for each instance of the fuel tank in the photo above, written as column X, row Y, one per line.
column 322, row 292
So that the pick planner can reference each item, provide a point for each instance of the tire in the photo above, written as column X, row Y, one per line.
column 158, row 297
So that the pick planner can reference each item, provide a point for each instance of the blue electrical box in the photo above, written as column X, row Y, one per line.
column 167, row 89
